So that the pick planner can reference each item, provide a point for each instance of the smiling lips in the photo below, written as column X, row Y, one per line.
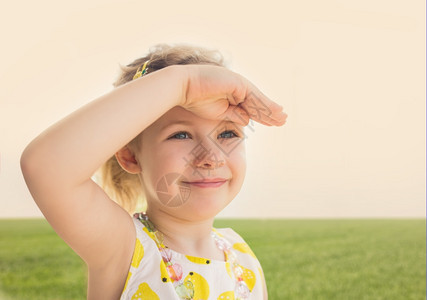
column 208, row 183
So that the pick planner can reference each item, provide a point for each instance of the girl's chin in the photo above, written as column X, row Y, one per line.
column 205, row 207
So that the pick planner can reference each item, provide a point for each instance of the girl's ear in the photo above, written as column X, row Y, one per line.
column 126, row 159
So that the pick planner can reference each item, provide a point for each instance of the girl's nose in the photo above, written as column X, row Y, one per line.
column 209, row 162
column 208, row 156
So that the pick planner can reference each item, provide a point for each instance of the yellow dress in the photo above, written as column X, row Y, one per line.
column 148, row 278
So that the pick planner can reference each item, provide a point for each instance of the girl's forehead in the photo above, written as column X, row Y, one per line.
column 176, row 114
column 179, row 115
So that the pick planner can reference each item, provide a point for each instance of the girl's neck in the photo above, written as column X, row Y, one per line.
column 186, row 237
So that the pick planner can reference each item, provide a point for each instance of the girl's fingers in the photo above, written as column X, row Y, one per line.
column 238, row 115
column 217, row 93
column 275, row 122
column 263, row 110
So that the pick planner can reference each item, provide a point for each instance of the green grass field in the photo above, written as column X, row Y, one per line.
column 302, row 259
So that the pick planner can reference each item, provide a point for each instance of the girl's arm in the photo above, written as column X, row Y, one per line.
column 59, row 163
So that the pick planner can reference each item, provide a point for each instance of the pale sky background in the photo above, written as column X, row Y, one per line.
column 350, row 75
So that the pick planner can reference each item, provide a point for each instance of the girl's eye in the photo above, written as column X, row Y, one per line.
column 228, row 134
column 179, row 135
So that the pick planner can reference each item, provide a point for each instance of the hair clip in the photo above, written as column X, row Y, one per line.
column 142, row 72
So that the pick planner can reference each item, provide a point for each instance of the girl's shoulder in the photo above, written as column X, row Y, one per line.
column 229, row 234
column 237, row 243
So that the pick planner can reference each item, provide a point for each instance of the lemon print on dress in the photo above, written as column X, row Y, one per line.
column 138, row 254
column 244, row 248
column 226, row 296
column 163, row 272
column 201, row 286
column 248, row 276
column 127, row 280
column 144, row 292
column 198, row 260
column 228, row 268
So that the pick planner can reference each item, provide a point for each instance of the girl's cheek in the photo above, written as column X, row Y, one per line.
column 239, row 158
column 171, row 158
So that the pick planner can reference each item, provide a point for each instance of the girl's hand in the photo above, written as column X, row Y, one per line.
column 213, row 92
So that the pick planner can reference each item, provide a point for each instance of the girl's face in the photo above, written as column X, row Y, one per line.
column 191, row 167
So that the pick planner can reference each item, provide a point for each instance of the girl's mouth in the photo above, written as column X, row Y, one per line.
column 208, row 183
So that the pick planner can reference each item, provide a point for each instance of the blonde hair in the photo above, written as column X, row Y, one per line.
column 121, row 186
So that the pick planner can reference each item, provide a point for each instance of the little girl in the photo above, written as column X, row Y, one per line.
column 171, row 131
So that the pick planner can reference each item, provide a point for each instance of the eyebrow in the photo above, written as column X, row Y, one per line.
column 182, row 122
